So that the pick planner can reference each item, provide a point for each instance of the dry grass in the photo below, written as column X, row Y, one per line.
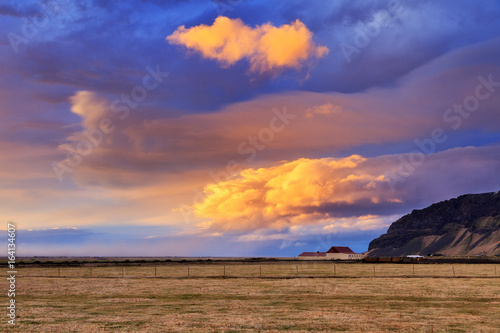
column 284, row 269
column 366, row 304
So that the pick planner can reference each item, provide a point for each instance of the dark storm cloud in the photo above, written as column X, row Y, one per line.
column 105, row 47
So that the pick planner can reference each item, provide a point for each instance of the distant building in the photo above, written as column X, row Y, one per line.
column 313, row 256
column 342, row 253
column 335, row 253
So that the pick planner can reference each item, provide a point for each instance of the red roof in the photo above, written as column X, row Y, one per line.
column 340, row 249
column 312, row 254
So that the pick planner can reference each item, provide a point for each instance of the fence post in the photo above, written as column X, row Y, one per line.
column 224, row 270
column 260, row 271
column 334, row 270
column 453, row 268
column 373, row 270
column 155, row 270
column 413, row 267
column 495, row 270
column 59, row 271
column 188, row 270
column 297, row 269
column 90, row 271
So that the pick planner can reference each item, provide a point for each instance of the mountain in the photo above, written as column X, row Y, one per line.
column 467, row 225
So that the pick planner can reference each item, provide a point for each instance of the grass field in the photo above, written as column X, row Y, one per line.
column 356, row 303
column 266, row 269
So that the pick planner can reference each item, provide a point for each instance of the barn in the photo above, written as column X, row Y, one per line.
column 342, row 253
column 335, row 253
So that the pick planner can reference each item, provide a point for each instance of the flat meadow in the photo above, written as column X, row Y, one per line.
column 270, row 297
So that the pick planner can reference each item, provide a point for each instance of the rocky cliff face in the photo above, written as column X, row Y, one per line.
column 467, row 225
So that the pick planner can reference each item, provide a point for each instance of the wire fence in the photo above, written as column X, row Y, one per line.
column 308, row 270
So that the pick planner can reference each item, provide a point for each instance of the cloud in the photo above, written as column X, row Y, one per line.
column 60, row 235
column 267, row 48
column 106, row 240
column 348, row 193
column 140, row 146
column 325, row 109
column 379, row 103
column 375, row 122
column 292, row 193
column 89, row 106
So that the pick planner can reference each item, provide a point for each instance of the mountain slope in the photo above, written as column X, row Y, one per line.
column 467, row 225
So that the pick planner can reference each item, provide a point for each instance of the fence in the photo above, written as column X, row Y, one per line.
column 303, row 270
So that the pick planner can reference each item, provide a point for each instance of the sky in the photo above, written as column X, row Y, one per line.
column 240, row 127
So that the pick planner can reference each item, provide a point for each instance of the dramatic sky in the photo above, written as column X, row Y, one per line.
column 240, row 127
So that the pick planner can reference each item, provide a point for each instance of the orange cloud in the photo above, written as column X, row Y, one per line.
column 90, row 106
column 301, row 192
column 325, row 109
column 267, row 47
column 324, row 124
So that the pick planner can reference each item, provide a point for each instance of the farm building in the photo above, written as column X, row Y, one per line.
column 335, row 253
column 313, row 256
column 342, row 253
